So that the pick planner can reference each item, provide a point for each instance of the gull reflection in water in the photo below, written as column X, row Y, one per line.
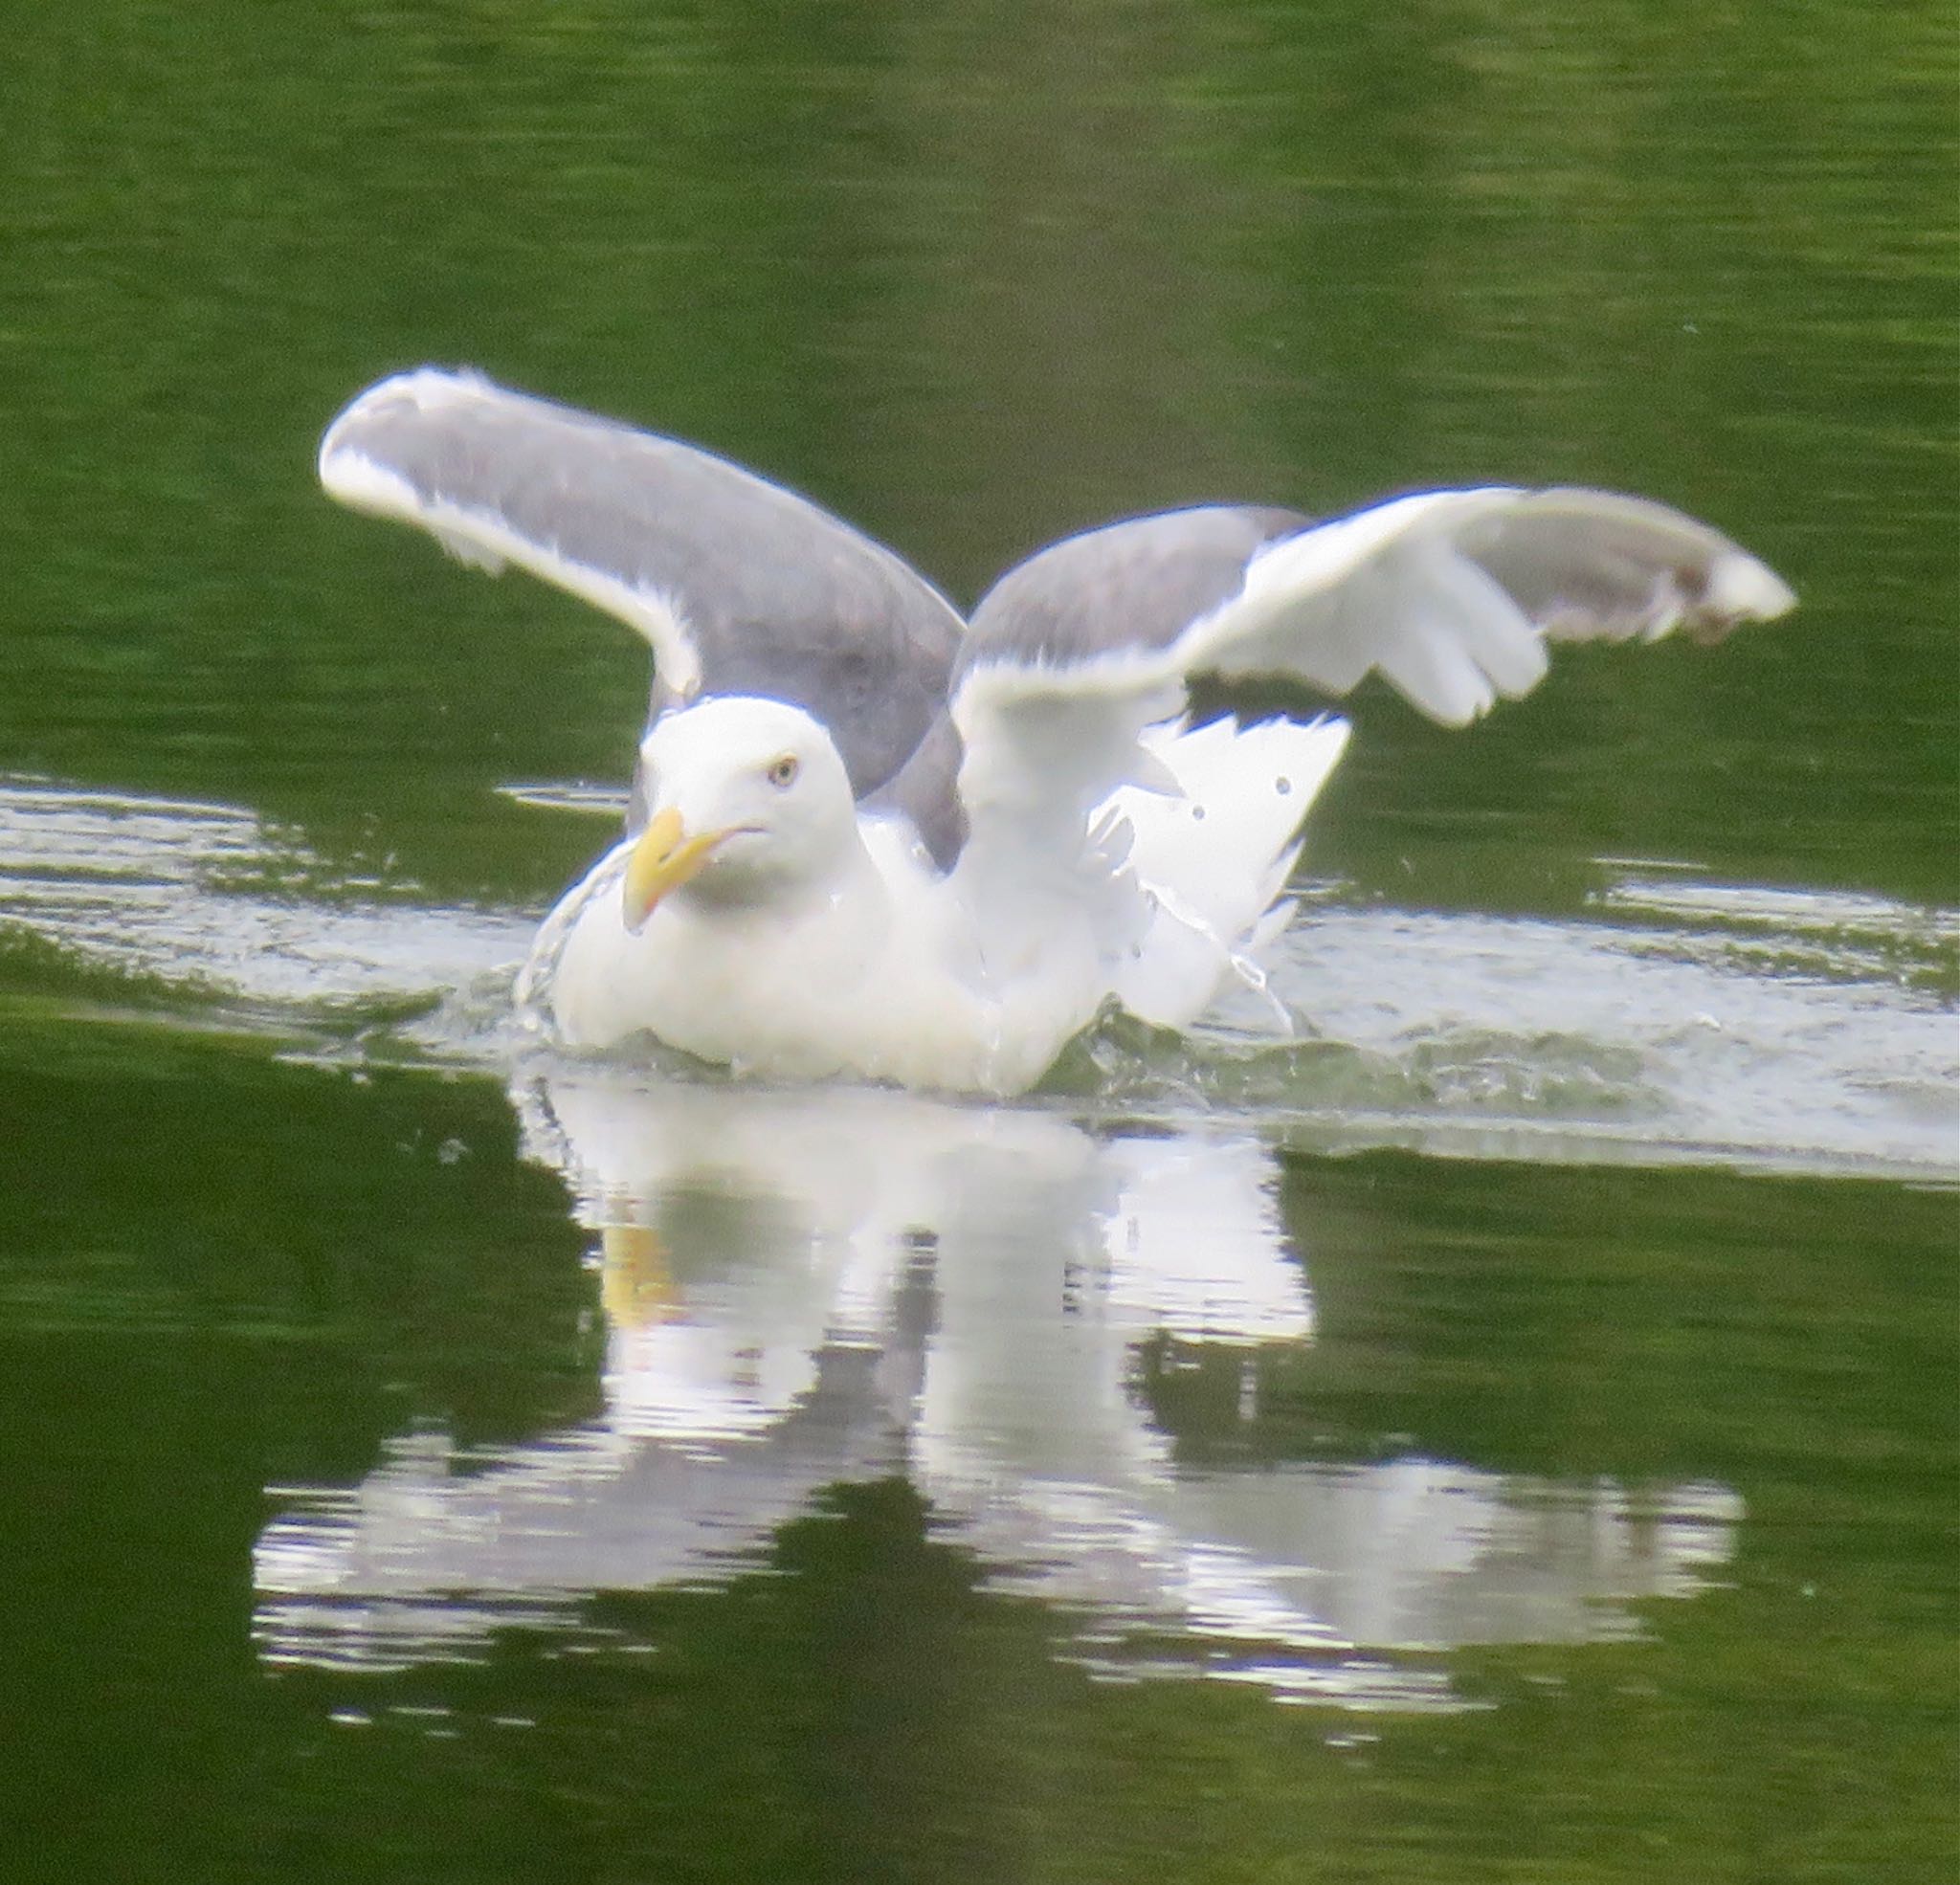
column 809, row 1288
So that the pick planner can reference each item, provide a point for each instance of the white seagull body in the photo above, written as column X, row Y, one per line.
column 828, row 943
column 870, row 840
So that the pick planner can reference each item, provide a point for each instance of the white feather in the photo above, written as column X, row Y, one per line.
column 485, row 541
column 1214, row 859
column 1110, row 851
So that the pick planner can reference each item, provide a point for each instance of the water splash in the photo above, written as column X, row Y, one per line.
column 1790, row 1029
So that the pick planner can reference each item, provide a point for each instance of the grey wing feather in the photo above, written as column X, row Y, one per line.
column 1451, row 595
column 1138, row 584
column 1584, row 564
column 739, row 586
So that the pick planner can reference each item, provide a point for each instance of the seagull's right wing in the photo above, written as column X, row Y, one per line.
column 739, row 586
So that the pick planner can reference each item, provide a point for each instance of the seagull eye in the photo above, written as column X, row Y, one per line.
column 782, row 772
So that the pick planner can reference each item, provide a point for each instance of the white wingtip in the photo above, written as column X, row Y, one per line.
column 480, row 536
column 1741, row 588
column 349, row 476
column 427, row 388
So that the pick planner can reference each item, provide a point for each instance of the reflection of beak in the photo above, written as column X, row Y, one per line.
column 635, row 1285
column 663, row 859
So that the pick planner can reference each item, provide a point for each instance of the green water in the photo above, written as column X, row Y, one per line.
column 1507, row 1434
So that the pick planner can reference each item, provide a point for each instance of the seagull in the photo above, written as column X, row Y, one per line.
column 869, row 839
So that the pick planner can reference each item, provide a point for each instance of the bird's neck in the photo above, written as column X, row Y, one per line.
column 780, row 897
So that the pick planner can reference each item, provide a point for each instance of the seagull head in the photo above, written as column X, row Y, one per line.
column 746, row 801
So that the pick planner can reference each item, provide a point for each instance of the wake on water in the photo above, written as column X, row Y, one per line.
column 1803, row 1031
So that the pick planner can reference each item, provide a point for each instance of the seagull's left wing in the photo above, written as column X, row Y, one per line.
column 739, row 586
column 1452, row 596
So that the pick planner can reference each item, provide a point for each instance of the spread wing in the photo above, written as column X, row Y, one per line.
column 739, row 586
column 1454, row 597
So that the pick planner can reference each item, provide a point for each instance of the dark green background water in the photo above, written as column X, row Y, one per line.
column 971, row 275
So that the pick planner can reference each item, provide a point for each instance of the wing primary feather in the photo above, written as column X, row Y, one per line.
column 1451, row 595
column 739, row 584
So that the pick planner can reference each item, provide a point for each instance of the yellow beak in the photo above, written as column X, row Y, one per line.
column 663, row 859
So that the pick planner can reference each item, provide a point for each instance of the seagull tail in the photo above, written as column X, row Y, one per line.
column 1216, row 855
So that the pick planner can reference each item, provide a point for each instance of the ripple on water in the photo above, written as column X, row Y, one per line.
column 1790, row 1028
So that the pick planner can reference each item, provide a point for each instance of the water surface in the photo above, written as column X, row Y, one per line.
column 1482, row 1410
